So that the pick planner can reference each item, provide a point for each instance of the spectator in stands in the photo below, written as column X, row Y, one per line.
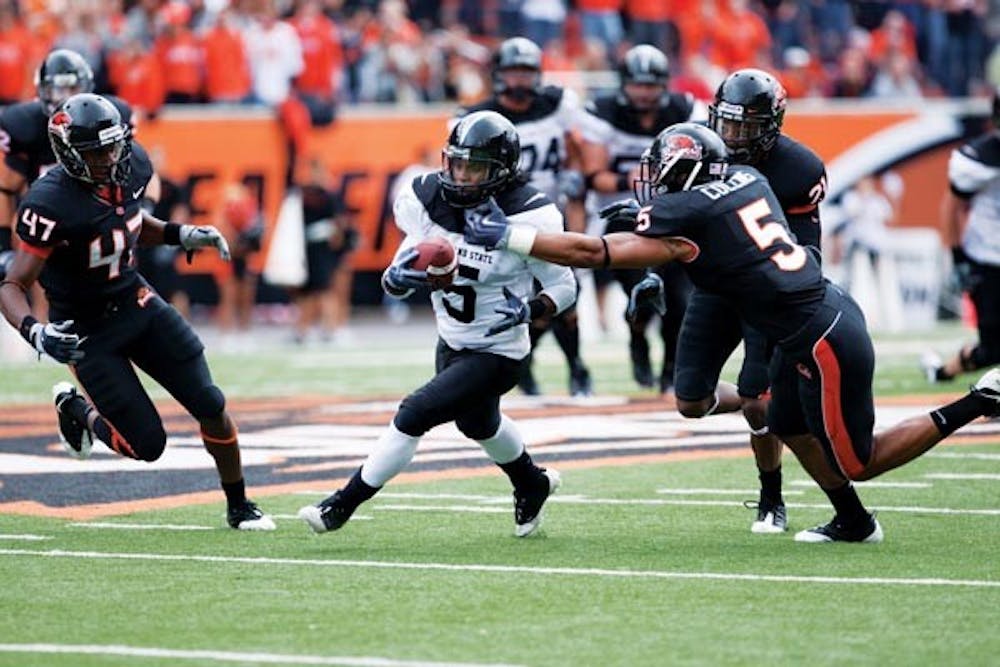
column 15, row 50
column 274, row 52
column 895, row 79
column 832, row 20
column 965, row 44
column 179, row 54
column 894, row 35
column 84, row 34
column 740, row 37
column 801, row 75
column 243, row 226
column 650, row 23
column 136, row 76
column 227, row 70
column 788, row 23
column 853, row 76
column 543, row 20
column 323, row 59
column 140, row 22
column 601, row 20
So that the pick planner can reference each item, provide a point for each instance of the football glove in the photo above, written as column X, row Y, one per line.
column 56, row 340
column 205, row 236
column 399, row 278
column 514, row 312
column 648, row 292
column 487, row 225
column 570, row 183
column 620, row 216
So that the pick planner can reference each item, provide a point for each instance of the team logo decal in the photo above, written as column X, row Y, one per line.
column 681, row 146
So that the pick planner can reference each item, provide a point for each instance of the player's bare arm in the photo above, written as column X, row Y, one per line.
column 11, row 184
column 21, row 275
column 619, row 250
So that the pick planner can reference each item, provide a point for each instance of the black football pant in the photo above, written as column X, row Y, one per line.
column 466, row 390
column 985, row 295
column 156, row 339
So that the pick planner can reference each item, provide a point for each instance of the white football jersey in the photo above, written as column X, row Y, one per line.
column 542, row 130
column 467, row 309
column 974, row 172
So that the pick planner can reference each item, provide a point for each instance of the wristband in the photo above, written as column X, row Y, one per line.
column 521, row 238
column 588, row 180
column 623, row 183
column 172, row 233
column 25, row 328
column 607, row 254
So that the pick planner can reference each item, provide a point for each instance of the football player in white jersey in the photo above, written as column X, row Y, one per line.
column 482, row 318
column 972, row 225
column 615, row 130
column 546, row 118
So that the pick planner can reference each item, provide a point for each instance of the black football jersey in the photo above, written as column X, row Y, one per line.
column 24, row 137
column 798, row 177
column 89, row 243
column 744, row 251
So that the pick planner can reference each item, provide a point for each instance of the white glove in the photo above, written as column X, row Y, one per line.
column 204, row 236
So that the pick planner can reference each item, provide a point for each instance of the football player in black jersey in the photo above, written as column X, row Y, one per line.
column 79, row 226
column 616, row 129
column 545, row 118
column 724, row 224
column 747, row 112
column 481, row 316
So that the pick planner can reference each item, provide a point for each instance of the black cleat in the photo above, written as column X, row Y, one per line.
column 77, row 439
column 642, row 370
column 528, row 506
column 771, row 516
column 869, row 532
column 247, row 516
column 580, row 383
column 329, row 515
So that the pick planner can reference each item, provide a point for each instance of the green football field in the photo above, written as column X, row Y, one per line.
column 649, row 564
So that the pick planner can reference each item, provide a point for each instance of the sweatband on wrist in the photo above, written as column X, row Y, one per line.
column 588, row 179
column 623, row 184
column 607, row 254
column 172, row 234
column 25, row 327
column 521, row 239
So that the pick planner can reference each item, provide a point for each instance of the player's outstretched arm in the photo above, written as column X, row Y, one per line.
column 190, row 237
column 619, row 250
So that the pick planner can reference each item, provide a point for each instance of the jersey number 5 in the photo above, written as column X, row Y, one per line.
column 767, row 234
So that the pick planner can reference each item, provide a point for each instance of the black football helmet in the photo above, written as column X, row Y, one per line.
column 63, row 73
column 517, row 53
column 90, row 140
column 680, row 157
column 480, row 159
column 747, row 113
column 644, row 64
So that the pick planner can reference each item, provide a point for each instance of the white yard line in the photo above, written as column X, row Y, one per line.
column 26, row 537
column 980, row 456
column 964, row 476
column 719, row 492
column 869, row 485
column 516, row 569
column 354, row 517
column 229, row 656
column 476, row 509
column 138, row 526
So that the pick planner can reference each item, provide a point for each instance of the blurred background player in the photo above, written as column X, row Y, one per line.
column 972, row 228
column 546, row 118
column 617, row 128
column 242, row 223
column 481, row 318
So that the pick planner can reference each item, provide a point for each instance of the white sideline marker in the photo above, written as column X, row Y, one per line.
column 27, row 537
column 507, row 569
column 230, row 656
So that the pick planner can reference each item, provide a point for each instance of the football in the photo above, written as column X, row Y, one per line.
column 437, row 257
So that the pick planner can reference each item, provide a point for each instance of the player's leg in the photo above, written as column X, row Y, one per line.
column 986, row 351
column 171, row 353
column 565, row 328
column 500, row 438
column 536, row 329
column 754, row 381
column 677, row 295
column 709, row 333
column 638, row 345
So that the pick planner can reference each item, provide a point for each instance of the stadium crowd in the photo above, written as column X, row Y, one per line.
column 332, row 52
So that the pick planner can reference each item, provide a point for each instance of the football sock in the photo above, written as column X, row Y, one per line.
column 568, row 337
column 847, row 504
column 951, row 417
column 506, row 444
column 235, row 492
column 393, row 452
column 522, row 471
column 356, row 491
column 770, row 484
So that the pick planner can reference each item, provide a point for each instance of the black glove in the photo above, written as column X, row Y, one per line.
column 620, row 216
column 647, row 292
column 399, row 277
column 514, row 312
column 487, row 225
column 56, row 340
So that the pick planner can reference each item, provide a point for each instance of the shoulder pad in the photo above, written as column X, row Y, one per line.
column 24, row 123
column 427, row 189
column 521, row 198
column 796, row 174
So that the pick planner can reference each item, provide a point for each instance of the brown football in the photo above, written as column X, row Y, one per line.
column 437, row 257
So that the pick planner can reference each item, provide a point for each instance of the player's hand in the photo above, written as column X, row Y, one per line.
column 621, row 215
column 648, row 292
column 400, row 278
column 514, row 312
column 57, row 340
column 204, row 236
column 570, row 183
column 487, row 225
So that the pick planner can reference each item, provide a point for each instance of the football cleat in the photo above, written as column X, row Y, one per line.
column 931, row 363
column 528, row 385
column 642, row 371
column 329, row 515
column 771, row 516
column 869, row 532
column 528, row 506
column 247, row 516
column 988, row 387
column 76, row 438
column 580, row 383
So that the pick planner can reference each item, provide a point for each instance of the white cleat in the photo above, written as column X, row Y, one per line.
column 988, row 387
column 838, row 532
column 247, row 516
column 931, row 363
column 528, row 507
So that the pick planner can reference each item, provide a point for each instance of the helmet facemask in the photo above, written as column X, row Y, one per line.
column 749, row 137
column 54, row 89
column 469, row 176
column 674, row 166
column 520, row 83
column 105, row 160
